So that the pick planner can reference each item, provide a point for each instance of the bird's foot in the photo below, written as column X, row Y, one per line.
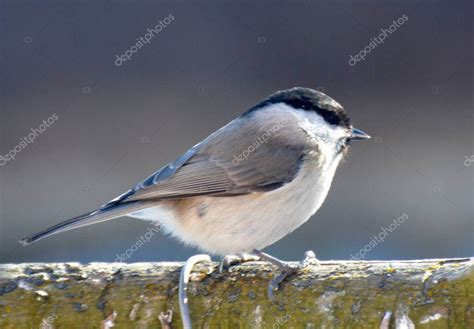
column 230, row 260
column 287, row 269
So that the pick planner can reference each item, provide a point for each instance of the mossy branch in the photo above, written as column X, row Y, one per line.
column 337, row 294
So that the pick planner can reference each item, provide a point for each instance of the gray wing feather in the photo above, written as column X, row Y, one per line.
column 210, row 168
column 93, row 217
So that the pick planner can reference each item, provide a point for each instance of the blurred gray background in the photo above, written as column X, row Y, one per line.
column 118, row 124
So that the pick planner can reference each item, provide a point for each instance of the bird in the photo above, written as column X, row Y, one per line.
column 248, row 184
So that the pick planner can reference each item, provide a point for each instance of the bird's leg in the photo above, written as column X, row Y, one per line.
column 230, row 260
column 286, row 268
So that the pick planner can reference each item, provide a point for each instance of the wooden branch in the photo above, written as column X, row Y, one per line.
column 337, row 294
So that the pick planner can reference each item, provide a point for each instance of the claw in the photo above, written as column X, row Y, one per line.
column 223, row 262
column 286, row 269
column 275, row 283
column 227, row 261
column 230, row 260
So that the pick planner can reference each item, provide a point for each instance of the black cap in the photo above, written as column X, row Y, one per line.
column 308, row 100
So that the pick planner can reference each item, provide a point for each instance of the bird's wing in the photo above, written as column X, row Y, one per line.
column 231, row 161
column 234, row 160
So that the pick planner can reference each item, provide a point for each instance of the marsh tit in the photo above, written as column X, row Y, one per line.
column 248, row 184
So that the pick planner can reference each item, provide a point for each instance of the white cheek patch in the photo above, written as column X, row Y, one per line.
column 326, row 137
column 311, row 122
column 316, row 127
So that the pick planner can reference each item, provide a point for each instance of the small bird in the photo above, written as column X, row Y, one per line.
column 248, row 184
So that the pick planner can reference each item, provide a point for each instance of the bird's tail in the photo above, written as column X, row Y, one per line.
column 90, row 218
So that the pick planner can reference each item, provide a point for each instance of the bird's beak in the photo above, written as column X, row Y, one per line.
column 358, row 135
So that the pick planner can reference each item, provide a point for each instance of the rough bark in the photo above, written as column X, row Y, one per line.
column 337, row 294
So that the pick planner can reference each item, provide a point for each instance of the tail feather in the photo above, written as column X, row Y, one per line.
column 90, row 218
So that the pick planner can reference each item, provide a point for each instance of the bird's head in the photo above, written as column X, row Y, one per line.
column 321, row 116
